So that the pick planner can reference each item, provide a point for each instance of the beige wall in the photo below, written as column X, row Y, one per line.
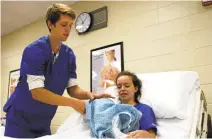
column 157, row 36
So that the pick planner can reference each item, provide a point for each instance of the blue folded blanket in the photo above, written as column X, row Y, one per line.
column 101, row 112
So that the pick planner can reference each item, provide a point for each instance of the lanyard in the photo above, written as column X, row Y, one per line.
column 54, row 59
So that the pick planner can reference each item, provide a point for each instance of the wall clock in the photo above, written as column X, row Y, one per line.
column 83, row 22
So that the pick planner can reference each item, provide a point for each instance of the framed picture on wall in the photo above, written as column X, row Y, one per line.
column 13, row 80
column 106, row 63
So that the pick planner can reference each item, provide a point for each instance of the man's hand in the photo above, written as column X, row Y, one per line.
column 140, row 134
column 98, row 95
column 102, row 95
column 79, row 105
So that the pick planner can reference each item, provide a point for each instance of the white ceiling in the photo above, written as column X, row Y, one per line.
column 16, row 14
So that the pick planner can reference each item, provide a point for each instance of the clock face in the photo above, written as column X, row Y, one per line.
column 83, row 22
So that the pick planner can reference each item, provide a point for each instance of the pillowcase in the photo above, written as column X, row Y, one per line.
column 112, row 90
column 177, row 128
column 168, row 92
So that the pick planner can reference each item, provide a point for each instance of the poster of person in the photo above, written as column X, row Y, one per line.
column 106, row 63
column 13, row 80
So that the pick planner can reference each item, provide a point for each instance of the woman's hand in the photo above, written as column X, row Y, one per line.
column 141, row 134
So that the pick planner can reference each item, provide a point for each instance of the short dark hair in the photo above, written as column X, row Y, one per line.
column 136, row 82
column 56, row 10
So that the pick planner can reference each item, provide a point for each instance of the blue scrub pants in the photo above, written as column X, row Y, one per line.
column 22, row 125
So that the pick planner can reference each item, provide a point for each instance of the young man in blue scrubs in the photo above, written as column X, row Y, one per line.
column 48, row 67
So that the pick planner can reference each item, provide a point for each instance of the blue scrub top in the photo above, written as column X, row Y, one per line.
column 37, row 59
column 147, row 120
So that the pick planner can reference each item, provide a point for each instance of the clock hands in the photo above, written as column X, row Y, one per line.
column 84, row 20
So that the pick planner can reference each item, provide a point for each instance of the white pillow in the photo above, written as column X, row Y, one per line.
column 112, row 90
column 169, row 128
column 168, row 92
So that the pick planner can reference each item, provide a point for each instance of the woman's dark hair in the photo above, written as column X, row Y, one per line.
column 136, row 82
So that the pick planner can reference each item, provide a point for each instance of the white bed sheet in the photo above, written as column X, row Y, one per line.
column 2, row 128
column 77, row 131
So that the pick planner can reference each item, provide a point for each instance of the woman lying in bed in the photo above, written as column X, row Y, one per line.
column 129, row 87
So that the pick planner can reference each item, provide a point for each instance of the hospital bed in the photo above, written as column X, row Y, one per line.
column 181, row 92
column 176, row 98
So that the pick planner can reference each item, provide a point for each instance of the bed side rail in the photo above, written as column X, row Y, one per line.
column 201, row 129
